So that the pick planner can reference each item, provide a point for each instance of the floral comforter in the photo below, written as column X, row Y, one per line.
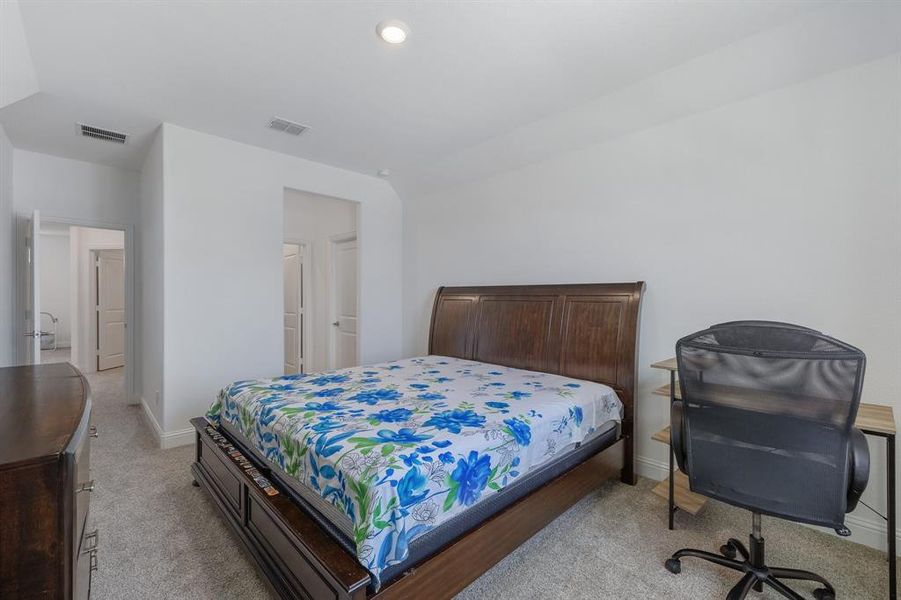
column 401, row 447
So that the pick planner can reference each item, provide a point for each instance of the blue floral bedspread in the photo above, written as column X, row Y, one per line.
column 401, row 447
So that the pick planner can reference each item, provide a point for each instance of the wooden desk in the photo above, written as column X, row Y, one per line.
column 872, row 419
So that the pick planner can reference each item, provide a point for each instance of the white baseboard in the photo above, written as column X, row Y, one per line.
column 150, row 419
column 166, row 439
column 651, row 468
column 179, row 437
column 869, row 531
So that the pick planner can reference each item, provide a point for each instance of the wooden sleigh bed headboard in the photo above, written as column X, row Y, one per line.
column 586, row 331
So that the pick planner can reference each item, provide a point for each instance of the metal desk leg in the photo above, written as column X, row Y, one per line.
column 892, row 557
column 672, row 508
column 672, row 500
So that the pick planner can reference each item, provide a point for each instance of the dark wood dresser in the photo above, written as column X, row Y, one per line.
column 45, row 483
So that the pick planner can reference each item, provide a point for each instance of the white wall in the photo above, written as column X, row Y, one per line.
column 7, row 266
column 315, row 219
column 223, row 232
column 149, row 294
column 17, row 75
column 66, row 189
column 54, row 277
column 783, row 206
column 81, row 241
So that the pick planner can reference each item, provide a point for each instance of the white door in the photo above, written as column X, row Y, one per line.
column 33, row 291
column 344, row 303
column 293, row 277
column 110, row 297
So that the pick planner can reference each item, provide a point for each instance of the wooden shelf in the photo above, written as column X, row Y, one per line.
column 663, row 390
column 667, row 365
column 662, row 435
column 685, row 499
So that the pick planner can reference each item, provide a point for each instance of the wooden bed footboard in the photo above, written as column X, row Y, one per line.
column 301, row 560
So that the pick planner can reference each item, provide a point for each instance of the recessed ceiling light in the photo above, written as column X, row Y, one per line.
column 393, row 31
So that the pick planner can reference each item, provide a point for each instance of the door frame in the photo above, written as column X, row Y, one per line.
column 333, row 241
column 306, row 285
column 19, row 299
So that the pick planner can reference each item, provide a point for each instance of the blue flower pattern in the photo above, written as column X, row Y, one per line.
column 401, row 447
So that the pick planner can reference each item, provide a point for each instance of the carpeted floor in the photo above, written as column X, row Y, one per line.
column 160, row 537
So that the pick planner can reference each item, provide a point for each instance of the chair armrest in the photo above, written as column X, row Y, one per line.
column 677, row 433
column 859, row 468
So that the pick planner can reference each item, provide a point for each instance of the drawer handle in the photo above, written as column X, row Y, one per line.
column 93, row 431
column 86, row 487
column 96, row 537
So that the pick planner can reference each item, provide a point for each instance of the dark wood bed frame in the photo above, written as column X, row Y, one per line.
column 585, row 331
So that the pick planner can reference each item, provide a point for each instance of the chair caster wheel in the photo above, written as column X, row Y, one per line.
column 729, row 551
column 823, row 594
column 195, row 484
column 673, row 565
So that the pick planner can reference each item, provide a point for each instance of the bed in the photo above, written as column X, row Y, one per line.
column 413, row 477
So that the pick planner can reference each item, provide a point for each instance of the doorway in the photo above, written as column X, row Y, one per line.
column 75, row 279
column 320, row 266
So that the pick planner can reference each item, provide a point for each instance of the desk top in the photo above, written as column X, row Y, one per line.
column 875, row 419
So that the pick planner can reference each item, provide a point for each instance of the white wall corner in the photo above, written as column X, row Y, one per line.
column 166, row 439
column 150, row 420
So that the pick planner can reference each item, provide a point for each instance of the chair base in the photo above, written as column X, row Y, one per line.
column 756, row 573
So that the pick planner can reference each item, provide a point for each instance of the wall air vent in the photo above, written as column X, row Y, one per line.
column 99, row 133
column 286, row 126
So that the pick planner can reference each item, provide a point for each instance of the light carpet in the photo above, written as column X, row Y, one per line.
column 160, row 537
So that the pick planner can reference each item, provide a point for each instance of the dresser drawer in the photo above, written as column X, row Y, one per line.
column 84, row 485
column 228, row 483
column 283, row 552
column 85, row 565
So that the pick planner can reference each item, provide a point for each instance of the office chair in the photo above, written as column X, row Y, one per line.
column 766, row 423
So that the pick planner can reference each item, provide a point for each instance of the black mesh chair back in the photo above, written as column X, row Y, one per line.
column 769, row 409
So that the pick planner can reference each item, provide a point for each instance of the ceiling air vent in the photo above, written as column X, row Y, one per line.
column 286, row 126
column 102, row 134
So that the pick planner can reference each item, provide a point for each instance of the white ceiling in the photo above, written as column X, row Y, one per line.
column 470, row 71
